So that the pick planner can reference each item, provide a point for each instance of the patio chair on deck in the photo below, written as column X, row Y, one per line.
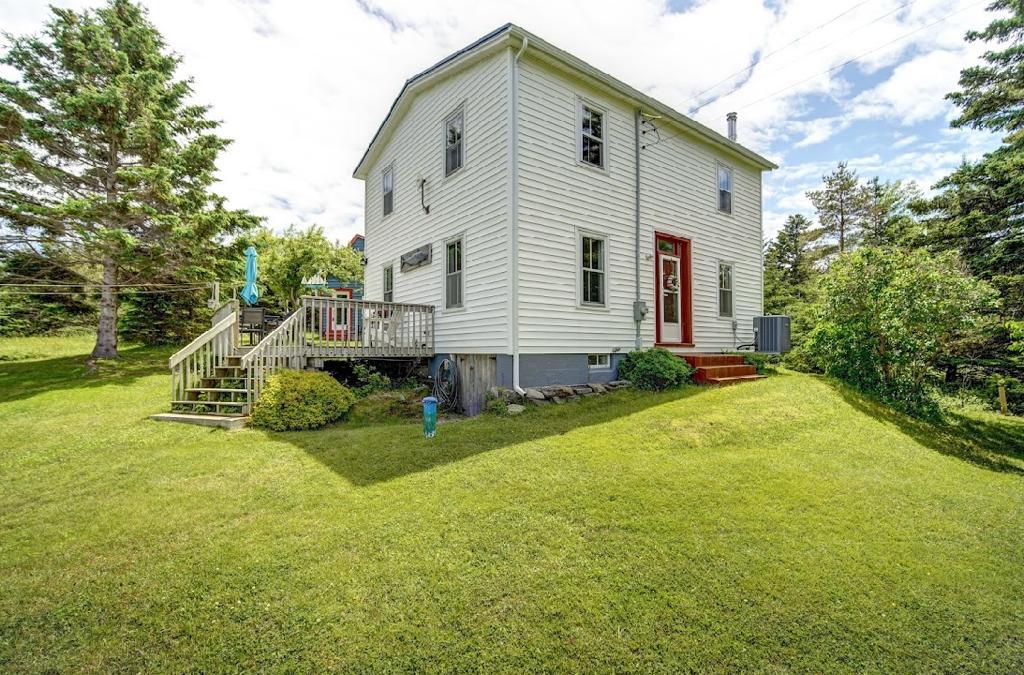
column 382, row 329
column 253, row 323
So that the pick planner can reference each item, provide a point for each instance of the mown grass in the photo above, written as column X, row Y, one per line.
column 782, row 525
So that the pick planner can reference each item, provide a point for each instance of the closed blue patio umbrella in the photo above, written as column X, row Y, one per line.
column 249, row 292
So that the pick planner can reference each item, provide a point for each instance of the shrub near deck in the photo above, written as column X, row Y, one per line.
column 293, row 400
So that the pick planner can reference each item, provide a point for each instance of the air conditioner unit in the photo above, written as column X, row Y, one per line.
column 771, row 334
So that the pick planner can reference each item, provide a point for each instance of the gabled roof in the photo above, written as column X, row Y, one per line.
column 512, row 35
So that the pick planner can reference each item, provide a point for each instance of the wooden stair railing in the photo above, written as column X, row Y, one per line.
column 279, row 349
column 202, row 356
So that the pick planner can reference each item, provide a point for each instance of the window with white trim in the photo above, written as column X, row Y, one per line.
column 592, row 270
column 453, row 281
column 724, row 189
column 597, row 361
column 724, row 289
column 388, row 189
column 389, row 283
column 591, row 136
column 453, row 141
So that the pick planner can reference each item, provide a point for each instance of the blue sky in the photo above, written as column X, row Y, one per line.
column 301, row 85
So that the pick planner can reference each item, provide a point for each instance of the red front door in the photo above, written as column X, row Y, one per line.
column 673, row 291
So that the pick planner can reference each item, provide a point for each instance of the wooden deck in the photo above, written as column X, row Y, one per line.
column 214, row 374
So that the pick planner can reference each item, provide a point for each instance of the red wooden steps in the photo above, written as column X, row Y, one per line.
column 721, row 369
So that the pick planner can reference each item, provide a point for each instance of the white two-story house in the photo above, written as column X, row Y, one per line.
column 557, row 218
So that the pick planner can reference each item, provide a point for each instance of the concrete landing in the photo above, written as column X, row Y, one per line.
column 220, row 421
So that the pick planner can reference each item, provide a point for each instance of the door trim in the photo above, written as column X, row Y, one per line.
column 682, row 247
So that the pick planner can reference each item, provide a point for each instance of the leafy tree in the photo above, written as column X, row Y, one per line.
column 840, row 205
column 105, row 167
column 285, row 260
column 887, row 316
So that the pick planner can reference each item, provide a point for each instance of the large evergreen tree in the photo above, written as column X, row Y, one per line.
column 839, row 205
column 105, row 165
column 980, row 212
column 787, row 266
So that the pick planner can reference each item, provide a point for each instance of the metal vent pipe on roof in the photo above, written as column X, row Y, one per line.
column 730, row 124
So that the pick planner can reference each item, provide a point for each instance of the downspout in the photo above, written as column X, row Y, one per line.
column 514, row 263
column 637, row 317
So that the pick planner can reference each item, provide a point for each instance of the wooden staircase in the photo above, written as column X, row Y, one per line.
column 721, row 369
column 223, row 392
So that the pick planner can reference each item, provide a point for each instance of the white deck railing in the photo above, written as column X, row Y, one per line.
column 342, row 328
column 199, row 359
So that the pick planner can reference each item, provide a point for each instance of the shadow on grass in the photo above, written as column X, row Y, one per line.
column 24, row 379
column 372, row 454
column 995, row 444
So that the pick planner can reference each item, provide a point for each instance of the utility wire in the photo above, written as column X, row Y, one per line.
column 867, row 53
column 848, row 62
column 65, row 293
column 776, row 51
column 804, row 57
column 61, row 284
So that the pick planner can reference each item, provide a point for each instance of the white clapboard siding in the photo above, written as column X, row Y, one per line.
column 557, row 195
column 472, row 202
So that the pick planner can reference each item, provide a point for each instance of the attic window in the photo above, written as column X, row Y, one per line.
column 453, row 133
column 591, row 142
column 388, row 189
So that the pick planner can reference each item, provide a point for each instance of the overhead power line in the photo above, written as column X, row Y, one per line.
column 803, row 57
column 847, row 62
column 776, row 51
column 92, row 289
column 867, row 53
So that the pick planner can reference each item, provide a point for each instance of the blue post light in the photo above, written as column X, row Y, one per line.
column 429, row 416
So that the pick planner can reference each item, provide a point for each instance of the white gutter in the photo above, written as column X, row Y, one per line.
column 514, row 178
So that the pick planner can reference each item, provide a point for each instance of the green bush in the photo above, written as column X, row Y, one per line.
column 655, row 369
column 765, row 363
column 301, row 399
column 886, row 318
column 369, row 379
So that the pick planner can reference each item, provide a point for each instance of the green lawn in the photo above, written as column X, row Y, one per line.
column 781, row 525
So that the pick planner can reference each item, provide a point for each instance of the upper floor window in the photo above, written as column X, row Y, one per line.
column 389, row 283
column 724, row 289
column 592, row 268
column 453, row 136
column 724, row 189
column 388, row 189
column 453, row 274
column 592, row 137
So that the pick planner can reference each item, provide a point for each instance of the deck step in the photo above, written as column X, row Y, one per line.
column 736, row 379
column 708, row 373
column 216, row 390
column 706, row 360
column 230, row 422
column 227, row 404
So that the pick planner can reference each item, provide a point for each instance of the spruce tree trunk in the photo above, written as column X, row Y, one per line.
column 106, row 333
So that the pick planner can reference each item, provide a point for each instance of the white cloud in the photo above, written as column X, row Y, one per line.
column 301, row 85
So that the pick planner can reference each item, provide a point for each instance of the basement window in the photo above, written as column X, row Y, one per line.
column 724, row 290
column 388, row 189
column 724, row 189
column 453, row 135
column 597, row 361
column 389, row 283
column 592, row 136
